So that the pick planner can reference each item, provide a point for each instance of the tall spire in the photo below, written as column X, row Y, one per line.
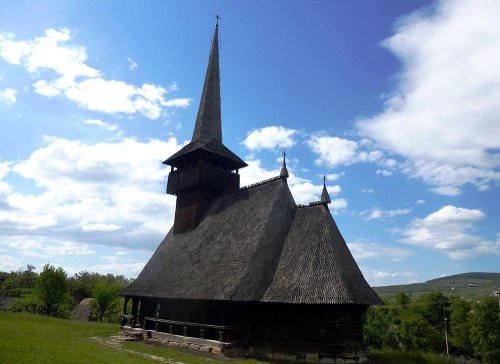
column 325, row 196
column 208, row 121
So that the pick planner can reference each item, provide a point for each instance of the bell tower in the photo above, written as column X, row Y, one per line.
column 204, row 167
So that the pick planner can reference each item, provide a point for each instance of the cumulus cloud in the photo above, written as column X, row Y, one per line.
column 450, row 230
column 62, row 70
column 109, row 194
column 334, row 151
column 8, row 96
column 443, row 114
column 270, row 137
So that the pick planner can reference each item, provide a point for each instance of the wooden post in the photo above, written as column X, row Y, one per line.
column 124, row 319
column 135, row 303
column 157, row 316
column 221, row 336
column 202, row 333
column 185, row 331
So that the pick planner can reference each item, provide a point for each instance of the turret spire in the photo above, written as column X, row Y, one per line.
column 208, row 120
column 284, row 170
column 325, row 196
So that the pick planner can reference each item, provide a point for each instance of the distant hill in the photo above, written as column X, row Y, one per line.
column 472, row 285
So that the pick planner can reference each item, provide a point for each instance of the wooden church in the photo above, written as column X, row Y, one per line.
column 245, row 270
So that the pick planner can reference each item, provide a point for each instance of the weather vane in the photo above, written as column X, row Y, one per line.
column 217, row 16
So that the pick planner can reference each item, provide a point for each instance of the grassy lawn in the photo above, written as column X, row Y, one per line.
column 399, row 357
column 26, row 338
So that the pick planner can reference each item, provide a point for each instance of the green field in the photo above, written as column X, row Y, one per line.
column 26, row 338
column 467, row 285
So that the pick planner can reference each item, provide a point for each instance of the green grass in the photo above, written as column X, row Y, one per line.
column 26, row 338
column 400, row 357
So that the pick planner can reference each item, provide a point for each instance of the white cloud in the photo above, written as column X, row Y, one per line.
column 364, row 250
column 43, row 247
column 270, row 137
column 333, row 176
column 91, row 194
column 101, row 124
column 100, row 227
column 448, row 230
column 367, row 190
column 420, row 202
column 338, row 204
column 378, row 277
column 335, row 151
column 443, row 114
column 12, row 51
column 8, row 96
column 70, row 76
column 377, row 213
column 446, row 190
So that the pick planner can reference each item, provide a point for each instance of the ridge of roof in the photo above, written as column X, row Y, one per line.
column 272, row 179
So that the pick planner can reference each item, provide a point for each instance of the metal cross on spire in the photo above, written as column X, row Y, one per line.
column 324, row 180
column 217, row 17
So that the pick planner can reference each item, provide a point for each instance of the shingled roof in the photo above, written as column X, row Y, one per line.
column 316, row 266
column 256, row 245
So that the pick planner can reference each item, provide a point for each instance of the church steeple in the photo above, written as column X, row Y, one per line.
column 204, row 167
column 208, row 120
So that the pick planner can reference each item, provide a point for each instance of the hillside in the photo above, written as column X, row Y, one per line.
column 468, row 285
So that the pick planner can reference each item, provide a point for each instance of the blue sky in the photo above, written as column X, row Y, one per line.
column 395, row 101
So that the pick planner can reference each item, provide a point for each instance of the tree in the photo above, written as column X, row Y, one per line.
column 19, row 283
column 485, row 330
column 417, row 333
column 105, row 299
column 460, row 311
column 51, row 289
column 379, row 327
column 82, row 284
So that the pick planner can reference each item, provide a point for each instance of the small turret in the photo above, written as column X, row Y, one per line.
column 325, row 196
column 284, row 170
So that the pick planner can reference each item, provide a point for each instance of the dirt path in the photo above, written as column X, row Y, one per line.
column 116, row 342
